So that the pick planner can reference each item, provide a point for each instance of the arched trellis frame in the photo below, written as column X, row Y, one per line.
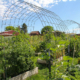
column 71, row 22
column 24, row 12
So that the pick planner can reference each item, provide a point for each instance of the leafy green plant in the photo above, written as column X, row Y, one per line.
column 74, row 46
column 16, row 57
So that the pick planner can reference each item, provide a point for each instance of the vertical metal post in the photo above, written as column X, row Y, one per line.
column 68, row 55
column 68, row 65
column 4, row 67
column 73, row 52
column 68, row 50
column 49, row 66
column 62, row 52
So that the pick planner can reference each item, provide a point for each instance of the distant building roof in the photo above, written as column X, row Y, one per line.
column 71, row 34
column 9, row 33
column 35, row 33
column 57, row 33
column 78, row 34
column 4, row 34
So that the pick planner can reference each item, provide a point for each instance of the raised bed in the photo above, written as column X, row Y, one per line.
column 37, row 53
column 45, row 62
column 24, row 75
column 41, row 61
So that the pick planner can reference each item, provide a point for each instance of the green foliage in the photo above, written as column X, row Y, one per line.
column 47, row 29
column 58, row 71
column 67, row 58
column 24, row 28
column 78, row 60
column 17, row 56
column 11, row 28
column 42, row 46
column 42, row 75
column 17, row 29
column 1, row 41
column 63, row 35
column 48, row 36
column 74, row 46
column 55, row 44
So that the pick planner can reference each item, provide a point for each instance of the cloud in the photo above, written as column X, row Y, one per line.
column 64, row 0
column 3, row 7
column 46, row 3
column 41, row 3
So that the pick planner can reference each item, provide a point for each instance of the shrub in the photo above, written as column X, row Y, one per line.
column 17, row 56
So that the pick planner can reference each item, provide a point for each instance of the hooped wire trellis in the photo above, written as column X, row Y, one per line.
column 24, row 12
column 71, row 22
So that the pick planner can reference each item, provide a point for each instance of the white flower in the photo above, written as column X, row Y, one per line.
column 58, row 46
column 62, row 63
column 63, row 76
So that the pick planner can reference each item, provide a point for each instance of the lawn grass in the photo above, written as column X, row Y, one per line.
column 42, row 75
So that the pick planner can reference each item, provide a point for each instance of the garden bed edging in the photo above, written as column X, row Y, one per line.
column 24, row 75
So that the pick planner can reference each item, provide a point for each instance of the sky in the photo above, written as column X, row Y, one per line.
column 65, row 9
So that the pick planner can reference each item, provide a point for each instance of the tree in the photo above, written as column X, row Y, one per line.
column 12, row 28
column 24, row 28
column 47, row 29
column 9, row 28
